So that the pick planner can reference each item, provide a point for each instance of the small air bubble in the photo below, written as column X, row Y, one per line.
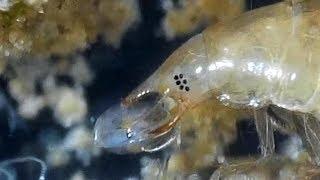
column 178, row 82
column 254, row 103
column 181, row 87
column 180, row 75
column 129, row 133
column 187, row 88
column 176, row 77
column 21, row 19
column 224, row 97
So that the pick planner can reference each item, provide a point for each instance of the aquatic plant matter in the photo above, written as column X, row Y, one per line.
column 42, row 28
column 205, row 131
column 62, row 149
column 80, row 140
column 273, row 167
column 34, row 84
column 79, row 175
column 151, row 168
column 194, row 160
column 185, row 16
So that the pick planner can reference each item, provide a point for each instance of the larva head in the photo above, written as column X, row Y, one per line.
column 128, row 128
column 151, row 110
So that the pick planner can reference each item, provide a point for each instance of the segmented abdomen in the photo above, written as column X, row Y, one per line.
column 272, row 55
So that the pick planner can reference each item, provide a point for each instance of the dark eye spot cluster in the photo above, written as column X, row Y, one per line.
column 181, row 82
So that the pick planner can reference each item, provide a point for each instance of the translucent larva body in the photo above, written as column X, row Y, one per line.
column 267, row 56
column 270, row 55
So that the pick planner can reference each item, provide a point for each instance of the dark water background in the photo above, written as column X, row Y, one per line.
column 117, row 71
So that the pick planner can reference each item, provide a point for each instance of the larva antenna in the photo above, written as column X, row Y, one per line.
column 43, row 165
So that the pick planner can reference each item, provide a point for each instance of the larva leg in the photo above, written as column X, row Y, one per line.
column 295, row 1
column 159, row 144
column 282, row 119
column 249, row 168
column 308, row 127
column 236, row 170
column 265, row 131
column 305, row 125
column 164, row 165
